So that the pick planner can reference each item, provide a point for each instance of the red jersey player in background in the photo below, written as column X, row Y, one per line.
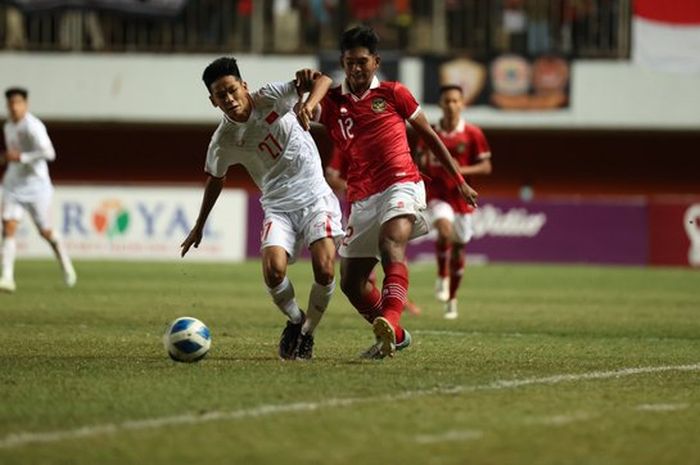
column 366, row 119
column 336, row 176
column 450, row 213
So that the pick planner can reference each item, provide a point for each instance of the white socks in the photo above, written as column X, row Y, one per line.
column 61, row 254
column 283, row 295
column 8, row 252
column 319, row 297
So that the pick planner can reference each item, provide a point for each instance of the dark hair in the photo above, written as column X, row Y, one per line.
column 359, row 36
column 449, row 87
column 17, row 91
column 224, row 66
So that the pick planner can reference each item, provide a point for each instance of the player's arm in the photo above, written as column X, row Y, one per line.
column 317, row 85
column 44, row 148
column 334, row 180
column 482, row 167
column 212, row 189
column 432, row 141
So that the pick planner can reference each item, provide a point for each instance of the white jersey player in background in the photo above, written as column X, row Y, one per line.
column 260, row 131
column 26, row 185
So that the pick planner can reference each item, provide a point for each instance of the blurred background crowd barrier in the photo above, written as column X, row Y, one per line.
column 575, row 28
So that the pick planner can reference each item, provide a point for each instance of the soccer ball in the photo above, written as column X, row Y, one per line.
column 187, row 340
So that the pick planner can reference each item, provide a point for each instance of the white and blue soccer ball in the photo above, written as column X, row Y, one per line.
column 187, row 340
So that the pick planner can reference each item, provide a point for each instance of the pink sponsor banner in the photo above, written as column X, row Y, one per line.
column 674, row 231
column 561, row 231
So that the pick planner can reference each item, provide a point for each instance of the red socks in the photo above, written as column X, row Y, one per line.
column 394, row 296
column 456, row 273
column 442, row 252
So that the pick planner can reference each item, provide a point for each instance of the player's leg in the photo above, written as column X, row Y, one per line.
column 462, row 234
column 59, row 250
column 39, row 210
column 402, row 217
column 442, row 216
column 278, row 245
column 8, row 252
column 359, row 253
column 322, row 231
column 393, row 239
column 323, row 264
column 357, row 286
column 11, row 212
column 457, row 263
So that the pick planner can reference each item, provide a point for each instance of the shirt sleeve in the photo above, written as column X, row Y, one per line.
column 406, row 103
column 218, row 157
column 279, row 95
column 42, row 148
column 481, row 150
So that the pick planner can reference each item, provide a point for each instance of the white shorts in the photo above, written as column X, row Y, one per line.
column 367, row 216
column 38, row 207
column 291, row 230
column 462, row 227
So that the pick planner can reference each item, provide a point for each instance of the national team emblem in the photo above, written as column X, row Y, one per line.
column 378, row 105
column 461, row 147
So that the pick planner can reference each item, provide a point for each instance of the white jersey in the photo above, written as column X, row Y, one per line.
column 30, row 176
column 280, row 156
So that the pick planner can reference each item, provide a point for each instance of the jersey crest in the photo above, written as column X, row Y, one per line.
column 378, row 105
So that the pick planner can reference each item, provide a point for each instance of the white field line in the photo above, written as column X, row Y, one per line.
column 661, row 407
column 561, row 420
column 447, row 436
column 515, row 334
column 24, row 438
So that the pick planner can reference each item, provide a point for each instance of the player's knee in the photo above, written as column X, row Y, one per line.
column 274, row 274
column 392, row 250
column 46, row 234
column 324, row 272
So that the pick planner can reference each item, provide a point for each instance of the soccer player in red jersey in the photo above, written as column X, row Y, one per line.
column 366, row 119
column 451, row 215
column 336, row 176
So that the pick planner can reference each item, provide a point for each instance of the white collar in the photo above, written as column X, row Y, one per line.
column 345, row 88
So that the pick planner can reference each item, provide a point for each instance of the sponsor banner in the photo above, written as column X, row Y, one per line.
column 674, row 230
column 557, row 231
column 139, row 223
column 147, row 7
column 567, row 231
column 509, row 82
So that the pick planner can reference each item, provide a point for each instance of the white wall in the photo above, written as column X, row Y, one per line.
column 168, row 88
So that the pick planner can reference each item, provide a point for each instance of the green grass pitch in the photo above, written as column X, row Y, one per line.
column 546, row 365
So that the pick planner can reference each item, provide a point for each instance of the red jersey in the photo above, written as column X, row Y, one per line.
column 371, row 132
column 468, row 146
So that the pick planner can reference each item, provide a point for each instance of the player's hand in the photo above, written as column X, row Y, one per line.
column 305, row 115
column 13, row 155
column 305, row 79
column 193, row 238
column 469, row 194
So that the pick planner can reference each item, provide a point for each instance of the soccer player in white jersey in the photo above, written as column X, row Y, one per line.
column 26, row 185
column 261, row 131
